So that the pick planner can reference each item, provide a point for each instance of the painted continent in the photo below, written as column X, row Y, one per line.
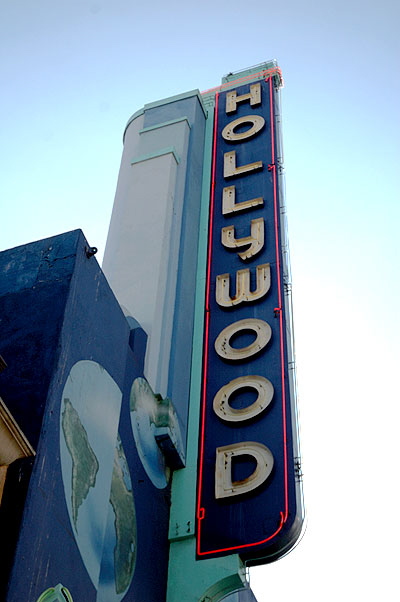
column 85, row 465
column 125, row 523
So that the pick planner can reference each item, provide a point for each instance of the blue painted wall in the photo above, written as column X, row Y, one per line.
column 57, row 309
column 34, row 287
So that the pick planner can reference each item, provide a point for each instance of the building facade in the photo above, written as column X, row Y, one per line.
column 149, row 407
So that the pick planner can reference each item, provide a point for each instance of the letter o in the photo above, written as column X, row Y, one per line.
column 265, row 392
column 228, row 133
column 263, row 334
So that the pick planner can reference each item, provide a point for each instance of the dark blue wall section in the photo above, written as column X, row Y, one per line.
column 59, row 313
column 34, row 286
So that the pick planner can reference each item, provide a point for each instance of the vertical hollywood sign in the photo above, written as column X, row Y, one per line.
column 239, row 131
column 243, row 451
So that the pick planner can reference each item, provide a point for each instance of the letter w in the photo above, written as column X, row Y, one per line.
column 243, row 293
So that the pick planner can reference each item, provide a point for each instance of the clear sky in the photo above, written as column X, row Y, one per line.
column 73, row 71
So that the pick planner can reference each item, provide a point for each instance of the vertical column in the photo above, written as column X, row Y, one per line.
column 151, row 252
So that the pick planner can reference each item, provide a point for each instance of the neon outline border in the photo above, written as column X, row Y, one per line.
column 200, row 512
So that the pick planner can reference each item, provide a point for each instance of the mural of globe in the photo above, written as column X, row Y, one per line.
column 97, row 484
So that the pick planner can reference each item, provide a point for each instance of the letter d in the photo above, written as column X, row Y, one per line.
column 224, row 486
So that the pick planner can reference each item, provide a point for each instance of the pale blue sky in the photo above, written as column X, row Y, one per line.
column 72, row 73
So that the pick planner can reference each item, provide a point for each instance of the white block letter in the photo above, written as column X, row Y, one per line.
column 231, row 170
column 224, row 486
column 261, row 329
column 255, row 240
column 243, row 292
column 229, row 204
column 229, row 134
column 262, row 386
column 232, row 98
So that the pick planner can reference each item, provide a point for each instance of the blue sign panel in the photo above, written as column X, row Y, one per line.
column 247, row 485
